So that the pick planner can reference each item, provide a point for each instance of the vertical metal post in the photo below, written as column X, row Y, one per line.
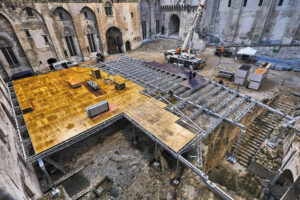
column 176, row 180
column 133, row 134
column 156, row 163
column 156, row 152
column 55, row 191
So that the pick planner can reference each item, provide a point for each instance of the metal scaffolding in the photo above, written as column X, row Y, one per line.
column 158, row 83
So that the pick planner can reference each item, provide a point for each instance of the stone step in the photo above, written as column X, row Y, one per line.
column 257, row 139
column 259, row 131
column 242, row 155
column 282, row 107
column 257, row 134
column 253, row 144
column 254, row 141
column 242, row 161
column 247, row 151
column 249, row 145
column 269, row 120
column 288, row 105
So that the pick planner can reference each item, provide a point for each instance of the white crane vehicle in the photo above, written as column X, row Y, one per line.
column 187, row 56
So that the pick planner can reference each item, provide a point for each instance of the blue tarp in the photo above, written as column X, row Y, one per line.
column 280, row 64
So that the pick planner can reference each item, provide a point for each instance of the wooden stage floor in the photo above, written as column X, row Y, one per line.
column 59, row 111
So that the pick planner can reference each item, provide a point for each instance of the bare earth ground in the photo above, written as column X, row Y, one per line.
column 130, row 167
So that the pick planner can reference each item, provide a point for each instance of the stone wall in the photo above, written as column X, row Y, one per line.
column 16, row 179
column 37, row 31
column 222, row 140
column 237, row 23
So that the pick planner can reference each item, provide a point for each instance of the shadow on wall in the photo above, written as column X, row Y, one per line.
column 5, row 195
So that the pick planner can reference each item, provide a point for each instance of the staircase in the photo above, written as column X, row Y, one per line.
column 276, row 176
column 260, row 129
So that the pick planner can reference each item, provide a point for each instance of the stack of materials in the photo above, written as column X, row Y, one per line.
column 93, row 85
column 242, row 75
column 226, row 74
column 96, row 73
column 97, row 109
column 259, row 75
column 74, row 83
column 280, row 64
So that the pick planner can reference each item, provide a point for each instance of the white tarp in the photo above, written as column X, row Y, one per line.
column 247, row 51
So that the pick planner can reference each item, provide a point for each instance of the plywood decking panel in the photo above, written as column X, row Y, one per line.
column 60, row 110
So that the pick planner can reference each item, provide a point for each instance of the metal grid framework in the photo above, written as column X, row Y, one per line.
column 210, row 98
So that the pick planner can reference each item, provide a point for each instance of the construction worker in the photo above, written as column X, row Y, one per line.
column 194, row 75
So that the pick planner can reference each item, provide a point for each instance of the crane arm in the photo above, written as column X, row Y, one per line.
column 193, row 26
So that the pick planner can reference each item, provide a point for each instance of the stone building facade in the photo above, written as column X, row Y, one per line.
column 34, row 34
column 17, row 180
column 243, row 22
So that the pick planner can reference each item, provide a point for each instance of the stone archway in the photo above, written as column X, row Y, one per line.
column 174, row 25
column 283, row 183
column 12, row 56
column 50, row 61
column 91, row 30
column 68, row 38
column 128, row 46
column 145, row 19
column 114, row 40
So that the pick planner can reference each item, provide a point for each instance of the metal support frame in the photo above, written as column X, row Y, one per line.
column 55, row 191
column 74, row 139
column 176, row 179
column 55, row 164
column 181, row 159
column 205, row 87
column 232, row 158
column 212, row 101
column 156, row 163
column 21, row 142
column 198, row 156
column 133, row 134
column 112, row 68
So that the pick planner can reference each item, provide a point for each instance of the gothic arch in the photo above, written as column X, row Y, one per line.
column 114, row 40
column 145, row 18
column 58, row 9
column 69, row 41
column 7, row 17
column 68, row 31
column 12, row 54
column 35, row 12
column 91, row 30
column 4, row 40
column 174, row 25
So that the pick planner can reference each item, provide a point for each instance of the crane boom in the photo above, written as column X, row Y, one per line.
column 193, row 26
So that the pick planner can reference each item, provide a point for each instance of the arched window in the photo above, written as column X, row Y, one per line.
column 69, row 41
column 29, row 12
column 91, row 40
column 108, row 8
column 7, row 51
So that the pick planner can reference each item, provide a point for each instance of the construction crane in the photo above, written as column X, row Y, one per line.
column 186, row 55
